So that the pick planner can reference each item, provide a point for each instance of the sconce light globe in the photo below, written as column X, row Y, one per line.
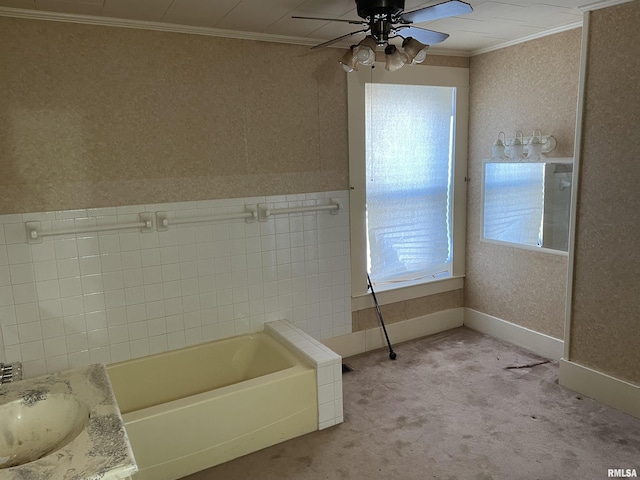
column 420, row 57
column 366, row 56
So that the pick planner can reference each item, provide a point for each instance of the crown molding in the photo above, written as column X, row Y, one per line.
column 448, row 53
column 602, row 4
column 260, row 37
column 528, row 38
column 157, row 26
column 189, row 29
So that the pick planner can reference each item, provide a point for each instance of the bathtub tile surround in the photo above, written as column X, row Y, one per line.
column 106, row 297
column 327, row 363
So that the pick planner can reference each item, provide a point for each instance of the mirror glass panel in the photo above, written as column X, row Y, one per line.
column 528, row 203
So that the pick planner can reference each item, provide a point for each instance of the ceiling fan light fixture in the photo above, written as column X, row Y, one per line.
column 383, row 20
column 416, row 51
column 349, row 60
column 395, row 59
column 365, row 52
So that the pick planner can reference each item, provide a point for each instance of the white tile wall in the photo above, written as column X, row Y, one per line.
column 110, row 296
column 327, row 363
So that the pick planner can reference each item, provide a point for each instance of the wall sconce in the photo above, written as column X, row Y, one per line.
column 516, row 147
column 521, row 148
column 497, row 150
column 535, row 145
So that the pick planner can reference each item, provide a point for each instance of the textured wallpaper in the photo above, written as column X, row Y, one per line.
column 408, row 309
column 96, row 116
column 527, row 86
column 605, row 328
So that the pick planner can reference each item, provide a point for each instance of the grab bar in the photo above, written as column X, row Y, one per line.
column 163, row 222
column 265, row 212
column 36, row 235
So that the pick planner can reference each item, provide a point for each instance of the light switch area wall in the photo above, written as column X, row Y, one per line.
column 106, row 297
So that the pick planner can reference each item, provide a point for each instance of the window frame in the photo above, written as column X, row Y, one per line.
column 409, row 75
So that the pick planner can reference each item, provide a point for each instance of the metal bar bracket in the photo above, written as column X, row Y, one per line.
column 162, row 221
column 337, row 202
column 148, row 219
column 32, row 233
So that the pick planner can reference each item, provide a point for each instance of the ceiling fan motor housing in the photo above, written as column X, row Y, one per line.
column 373, row 8
column 386, row 19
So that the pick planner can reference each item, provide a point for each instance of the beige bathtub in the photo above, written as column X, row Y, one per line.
column 193, row 408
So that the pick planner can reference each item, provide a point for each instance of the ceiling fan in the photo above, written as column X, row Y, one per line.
column 386, row 19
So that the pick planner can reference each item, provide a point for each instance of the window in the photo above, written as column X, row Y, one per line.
column 408, row 182
column 407, row 149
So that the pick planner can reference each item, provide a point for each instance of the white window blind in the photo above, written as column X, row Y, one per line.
column 514, row 202
column 409, row 138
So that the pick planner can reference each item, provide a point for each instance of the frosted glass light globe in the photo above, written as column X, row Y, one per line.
column 420, row 57
column 366, row 56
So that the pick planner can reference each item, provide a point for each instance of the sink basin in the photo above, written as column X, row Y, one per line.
column 35, row 426
column 63, row 425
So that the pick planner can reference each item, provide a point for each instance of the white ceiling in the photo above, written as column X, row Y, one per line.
column 492, row 23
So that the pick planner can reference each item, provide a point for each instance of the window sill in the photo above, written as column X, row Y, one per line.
column 393, row 293
column 523, row 246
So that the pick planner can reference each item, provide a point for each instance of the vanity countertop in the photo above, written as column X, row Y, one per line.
column 100, row 451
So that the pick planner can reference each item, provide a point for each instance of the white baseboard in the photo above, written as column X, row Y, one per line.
column 347, row 345
column 604, row 388
column 600, row 386
column 536, row 342
column 365, row 340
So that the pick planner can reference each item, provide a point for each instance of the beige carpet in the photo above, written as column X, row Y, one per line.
column 448, row 408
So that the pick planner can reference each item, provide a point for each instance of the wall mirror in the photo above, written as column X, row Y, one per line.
column 527, row 204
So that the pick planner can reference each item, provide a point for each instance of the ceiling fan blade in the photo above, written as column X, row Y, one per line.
column 354, row 22
column 423, row 35
column 451, row 8
column 331, row 42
